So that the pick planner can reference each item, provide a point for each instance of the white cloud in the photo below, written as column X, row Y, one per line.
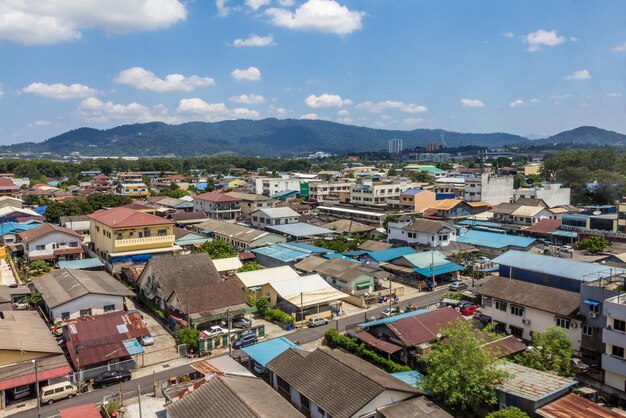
column 249, row 74
column 326, row 100
column 310, row 116
column 222, row 8
column 508, row 35
column 254, row 41
column 40, row 123
column 614, row 94
column 198, row 108
column 542, row 38
column 343, row 112
column 326, row 16
column 534, row 100
column 257, row 4
column 579, row 75
column 573, row 39
column 517, row 103
column 472, row 103
column 36, row 22
column 286, row 3
column 249, row 99
column 389, row 104
column 620, row 48
column 278, row 111
column 143, row 79
column 96, row 111
column 60, row 91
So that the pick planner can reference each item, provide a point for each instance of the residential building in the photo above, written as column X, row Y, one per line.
column 240, row 237
column 132, row 189
column 218, row 206
column 377, row 193
column 336, row 191
column 10, row 230
column 78, row 223
column 621, row 216
column 342, row 212
column 129, row 177
column 8, row 187
column 186, row 219
column 450, row 209
column 51, row 243
column 493, row 244
column 521, row 308
column 417, row 200
column 433, row 157
column 273, row 186
column 429, row 265
column 359, row 387
column 122, row 235
column 432, row 146
column 489, row 188
column 572, row 405
column 346, row 275
column 553, row 194
column 261, row 218
column 378, row 257
column 614, row 338
column 15, row 214
column 280, row 255
column 69, row 294
column 530, row 215
column 11, row 201
column 249, row 202
column 300, row 231
column 395, row 146
column 348, row 227
column 427, row 232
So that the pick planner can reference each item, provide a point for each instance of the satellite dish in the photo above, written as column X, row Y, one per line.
column 597, row 212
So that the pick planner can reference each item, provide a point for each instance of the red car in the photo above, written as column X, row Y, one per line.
column 468, row 310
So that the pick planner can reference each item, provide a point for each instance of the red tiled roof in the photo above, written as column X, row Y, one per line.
column 216, row 197
column 122, row 217
column 136, row 206
column 384, row 346
column 89, row 410
column 544, row 226
column 419, row 329
column 29, row 379
column 44, row 229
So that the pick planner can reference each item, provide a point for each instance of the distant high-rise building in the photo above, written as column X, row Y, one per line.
column 395, row 146
column 433, row 146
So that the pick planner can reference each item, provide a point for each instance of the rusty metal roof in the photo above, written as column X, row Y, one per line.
column 384, row 346
column 534, row 385
column 574, row 406
column 505, row 347
column 418, row 329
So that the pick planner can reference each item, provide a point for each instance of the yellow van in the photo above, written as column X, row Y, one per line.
column 56, row 392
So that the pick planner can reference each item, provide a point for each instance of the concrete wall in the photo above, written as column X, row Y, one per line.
column 95, row 302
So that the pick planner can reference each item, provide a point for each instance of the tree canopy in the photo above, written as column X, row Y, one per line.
column 551, row 352
column 90, row 204
column 217, row 249
column 511, row 412
column 594, row 244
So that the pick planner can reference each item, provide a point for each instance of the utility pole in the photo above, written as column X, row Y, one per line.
column 390, row 295
column 301, row 312
column 230, row 347
column 139, row 398
column 37, row 388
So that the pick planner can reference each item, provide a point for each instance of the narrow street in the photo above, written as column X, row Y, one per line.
column 301, row 336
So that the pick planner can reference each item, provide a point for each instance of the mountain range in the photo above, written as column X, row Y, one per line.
column 274, row 137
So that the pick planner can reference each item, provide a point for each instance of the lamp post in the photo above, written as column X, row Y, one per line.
column 37, row 388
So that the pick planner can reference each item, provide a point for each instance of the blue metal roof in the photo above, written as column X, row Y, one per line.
column 266, row 351
column 440, row 269
column 299, row 229
column 283, row 252
column 311, row 248
column 494, row 240
column 390, row 254
column 132, row 346
column 41, row 209
column 576, row 217
column 556, row 266
column 285, row 193
column 392, row 319
column 413, row 191
column 567, row 234
column 412, row 378
column 16, row 227
column 472, row 222
column 426, row 258
column 81, row 264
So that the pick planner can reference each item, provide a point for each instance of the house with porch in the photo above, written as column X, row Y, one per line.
column 218, row 206
column 51, row 243
column 419, row 231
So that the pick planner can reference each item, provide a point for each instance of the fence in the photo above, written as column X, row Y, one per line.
column 86, row 375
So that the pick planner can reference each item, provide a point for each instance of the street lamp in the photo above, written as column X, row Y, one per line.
column 37, row 388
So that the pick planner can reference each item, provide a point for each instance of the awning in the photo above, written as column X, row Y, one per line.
column 132, row 346
column 384, row 346
column 63, row 251
column 150, row 251
column 567, row 234
column 591, row 302
column 85, row 263
column 364, row 285
column 41, row 257
column 437, row 270
column 29, row 379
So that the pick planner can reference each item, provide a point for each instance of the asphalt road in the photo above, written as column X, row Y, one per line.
column 301, row 336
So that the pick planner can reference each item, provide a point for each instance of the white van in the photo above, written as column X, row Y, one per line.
column 56, row 392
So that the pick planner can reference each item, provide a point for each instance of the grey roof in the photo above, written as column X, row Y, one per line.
column 232, row 397
column 505, row 208
column 371, row 245
column 337, row 268
column 420, row 407
column 427, row 225
column 299, row 229
column 211, row 299
column 545, row 298
column 62, row 286
column 555, row 266
column 531, row 384
column 343, row 383
column 234, row 231
column 26, row 331
column 282, row 212
column 309, row 264
column 531, row 201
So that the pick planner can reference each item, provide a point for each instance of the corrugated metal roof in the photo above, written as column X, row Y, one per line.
column 534, row 385
column 426, row 258
column 494, row 240
column 279, row 212
column 311, row 248
column 89, row 410
column 264, row 276
column 299, row 229
column 283, row 252
column 392, row 319
column 382, row 345
column 556, row 266
column 423, row 328
column 437, row 270
column 574, row 406
column 85, row 263
column 412, row 377
column 390, row 254
column 266, row 351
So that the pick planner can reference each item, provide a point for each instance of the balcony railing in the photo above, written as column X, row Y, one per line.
column 131, row 242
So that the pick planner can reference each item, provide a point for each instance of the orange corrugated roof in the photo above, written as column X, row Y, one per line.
column 122, row 217
column 447, row 204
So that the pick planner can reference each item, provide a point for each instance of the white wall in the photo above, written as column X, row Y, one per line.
column 395, row 231
column 387, row 397
column 48, row 240
column 95, row 302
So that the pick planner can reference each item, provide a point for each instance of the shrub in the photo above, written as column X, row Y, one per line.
column 276, row 315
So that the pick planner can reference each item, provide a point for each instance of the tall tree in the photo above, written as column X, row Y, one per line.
column 552, row 352
column 217, row 249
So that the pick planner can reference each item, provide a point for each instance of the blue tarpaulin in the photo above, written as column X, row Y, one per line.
column 132, row 346
column 591, row 302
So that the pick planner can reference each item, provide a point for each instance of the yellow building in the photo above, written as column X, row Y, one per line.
column 233, row 184
column 123, row 235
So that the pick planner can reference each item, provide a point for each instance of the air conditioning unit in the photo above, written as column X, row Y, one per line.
column 593, row 314
column 526, row 321
column 573, row 325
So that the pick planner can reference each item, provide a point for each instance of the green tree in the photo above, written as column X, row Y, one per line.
column 262, row 305
column 249, row 266
column 189, row 337
column 38, row 267
column 217, row 249
column 460, row 371
column 594, row 244
column 552, row 352
column 511, row 412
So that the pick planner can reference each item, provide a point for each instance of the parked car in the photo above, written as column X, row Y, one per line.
column 241, row 322
column 485, row 319
column 578, row 366
column 317, row 322
column 215, row 330
column 478, row 314
column 387, row 312
column 110, row 378
column 147, row 340
column 468, row 310
column 566, row 249
column 454, row 286
column 58, row 391
column 245, row 340
column 258, row 368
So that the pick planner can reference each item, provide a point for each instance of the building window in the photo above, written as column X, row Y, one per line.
column 73, row 244
column 304, row 402
column 594, row 308
column 65, row 316
column 85, row 312
column 587, row 330
column 619, row 325
column 109, row 308
column 321, row 411
column 162, row 232
column 562, row 322
column 282, row 384
column 516, row 331
column 40, row 247
column 618, row 351
column 501, row 306
column 517, row 310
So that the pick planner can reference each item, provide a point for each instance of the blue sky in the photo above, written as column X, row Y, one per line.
column 481, row 66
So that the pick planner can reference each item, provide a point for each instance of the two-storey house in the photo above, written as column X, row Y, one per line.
column 218, row 206
column 51, row 243
column 274, row 216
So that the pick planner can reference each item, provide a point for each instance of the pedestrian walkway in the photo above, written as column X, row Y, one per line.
column 6, row 274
